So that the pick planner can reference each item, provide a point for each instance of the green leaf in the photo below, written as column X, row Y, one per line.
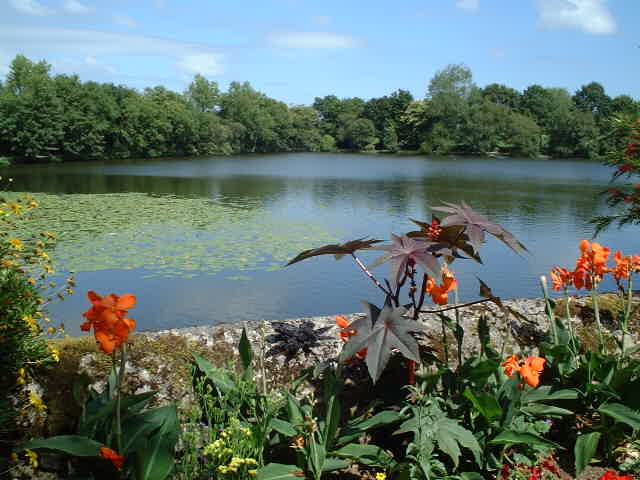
column 333, row 463
column 621, row 413
column 545, row 393
column 471, row 476
column 449, row 434
column 219, row 377
column 487, row 405
column 244, row 347
column 278, row 471
column 332, row 422
column 585, row 449
column 356, row 428
column 539, row 410
column 317, row 454
column 71, row 444
column 508, row 437
column 283, row 427
column 365, row 453
column 134, row 433
column 155, row 461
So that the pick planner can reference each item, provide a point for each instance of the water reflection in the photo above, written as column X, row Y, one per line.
column 546, row 203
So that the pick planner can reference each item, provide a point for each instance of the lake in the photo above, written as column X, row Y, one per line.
column 203, row 240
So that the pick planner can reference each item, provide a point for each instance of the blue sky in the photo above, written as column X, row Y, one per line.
column 295, row 50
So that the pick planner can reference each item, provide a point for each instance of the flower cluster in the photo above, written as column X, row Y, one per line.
column 225, row 451
column 107, row 317
column 529, row 369
column 611, row 475
column 548, row 468
column 591, row 267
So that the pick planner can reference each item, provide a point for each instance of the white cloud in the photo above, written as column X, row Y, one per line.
column 31, row 7
column 470, row 5
column 312, row 40
column 84, row 46
column 75, row 7
column 125, row 21
column 590, row 16
column 204, row 63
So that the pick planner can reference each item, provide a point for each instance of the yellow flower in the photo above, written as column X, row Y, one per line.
column 16, row 244
column 55, row 353
column 51, row 330
column 37, row 402
column 17, row 208
column 22, row 376
column 381, row 476
column 49, row 235
column 253, row 473
column 32, row 203
column 32, row 322
column 48, row 268
column 31, row 280
column 33, row 457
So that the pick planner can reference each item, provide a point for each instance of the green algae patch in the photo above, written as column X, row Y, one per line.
column 167, row 235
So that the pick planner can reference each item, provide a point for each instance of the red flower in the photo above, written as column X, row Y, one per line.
column 109, row 454
column 625, row 168
column 346, row 332
column 611, row 475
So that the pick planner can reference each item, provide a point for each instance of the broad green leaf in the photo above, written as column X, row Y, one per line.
column 155, row 461
column 486, row 404
column 540, row 409
column 449, row 434
column 332, row 422
column 508, row 437
column 621, row 413
column 317, row 453
column 283, row 427
column 332, row 463
column 545, row 393
column 244, row 347
column 70, row 444
column 134, row 433
column 471, row 476
column 584, row 450
column 278, row 471
column 355, row 428
column 219, row 377
column 364, row 453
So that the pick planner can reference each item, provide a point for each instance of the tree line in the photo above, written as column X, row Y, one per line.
column 59, row 117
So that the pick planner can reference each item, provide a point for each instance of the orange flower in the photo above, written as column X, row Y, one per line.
column 531, row 370
column 107, row 316
column 591, row 266
column 511, row 364
column 623, row 266
column 109, row 454
column 440, row 293
column 346, row 333
column 561, row 278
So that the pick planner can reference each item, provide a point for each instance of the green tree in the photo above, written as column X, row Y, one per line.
column 203, row 94
column 30, row 112
column 592, row 98
column 502, row 95
column 358, row 133
column 390, row 138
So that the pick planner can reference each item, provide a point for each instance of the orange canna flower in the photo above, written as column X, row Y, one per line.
column 561, row 278
column 623, row 266
column 107, row 317
column 510, row 364
column 529, row 371
column 440, row 293
column 109, row 454
column 591, row 266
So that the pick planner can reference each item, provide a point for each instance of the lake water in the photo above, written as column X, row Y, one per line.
column 278, row 204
